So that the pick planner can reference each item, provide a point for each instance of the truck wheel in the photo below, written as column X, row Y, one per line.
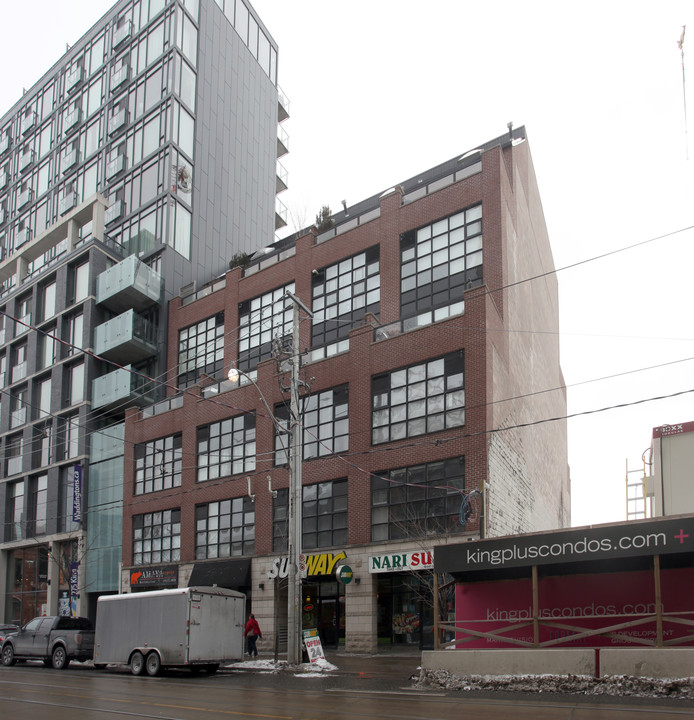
column 59, row 658
column 137, row 663
column 8, row 655
column 153, row 664
column 212, row 668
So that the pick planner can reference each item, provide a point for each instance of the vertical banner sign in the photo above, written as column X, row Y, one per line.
column 77, row 494
column 74, row 579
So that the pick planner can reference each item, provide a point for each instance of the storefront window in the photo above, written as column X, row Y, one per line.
column 27, row 584
column 323, row 608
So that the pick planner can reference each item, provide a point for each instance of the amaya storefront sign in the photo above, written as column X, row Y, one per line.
column 402, row 562
column 319, row 564
column 154, row 576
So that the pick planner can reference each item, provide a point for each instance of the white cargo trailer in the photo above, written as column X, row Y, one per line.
column 198, row 628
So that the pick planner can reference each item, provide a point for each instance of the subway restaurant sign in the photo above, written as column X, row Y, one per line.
column 319, row 564
column 396, row 562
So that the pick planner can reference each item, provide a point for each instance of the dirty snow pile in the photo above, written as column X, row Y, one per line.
column 618, row 685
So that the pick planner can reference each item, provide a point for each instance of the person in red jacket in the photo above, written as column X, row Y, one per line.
column 252, row 632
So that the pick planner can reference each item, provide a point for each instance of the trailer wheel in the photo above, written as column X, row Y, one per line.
column 59, row 658
column 153, row 664
column 212, row 668
column 137, row 663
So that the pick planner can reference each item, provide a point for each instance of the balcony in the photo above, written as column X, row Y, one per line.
column 14, row 465
column 282, row 105
column 21, row 326
column 119, row 77
column 18, row 417
column 70, row 160
column 67, row 202
column 19, row 372
column 29, row 122
column 128, row 284
column 118, row 121
column 73, row 80
column 4, row 144
column 121, row 387
column 73, row 119
column 282, row 178
column 116, row 166
column 121, row 34
column 114, row 211
column 127, row 338
column 22, row 237
column 27, row 160
column 24, row 198
column 280, row 214
column 282, row 142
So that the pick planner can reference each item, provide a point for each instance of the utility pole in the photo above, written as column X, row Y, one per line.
column 295, row 493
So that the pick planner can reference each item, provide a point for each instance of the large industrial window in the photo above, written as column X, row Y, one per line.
column 225, row 528
column 324, row 516
column 201, row 349
column 418, row 501
column 158, row 464
column 419, row 399
column 157, row 537
column 226, row 448
column 325, row 423
column 440, row 261
column 342, row 295
column 263, row 321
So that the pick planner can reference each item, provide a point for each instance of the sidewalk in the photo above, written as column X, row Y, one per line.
column 386, row 672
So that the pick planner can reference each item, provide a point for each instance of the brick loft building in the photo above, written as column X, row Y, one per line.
column 430, row 357
column 140, row 163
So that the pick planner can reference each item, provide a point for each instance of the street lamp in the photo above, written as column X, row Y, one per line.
column 295, row 485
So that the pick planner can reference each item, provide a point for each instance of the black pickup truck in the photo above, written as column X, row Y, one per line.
column 55, row 639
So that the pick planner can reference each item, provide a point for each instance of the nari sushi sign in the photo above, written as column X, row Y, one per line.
column 398, row 562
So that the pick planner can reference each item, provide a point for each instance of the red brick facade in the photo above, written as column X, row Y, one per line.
column 509, row 335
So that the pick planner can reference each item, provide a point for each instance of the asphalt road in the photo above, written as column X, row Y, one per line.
column 360, row 689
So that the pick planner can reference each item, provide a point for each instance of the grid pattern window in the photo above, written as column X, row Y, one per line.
column 418, row 399
column 39, row 487
column 324, row 516
column 280, row 515
column 325, row 422
column 342, row 294
column 418, row 501
column 226, row 448
column 439, row 261
column 201, row 350
column 225, row 528
column 157, row 537
column 158, row 464
column 262, row 321
column 71, row 437
column 15, row 511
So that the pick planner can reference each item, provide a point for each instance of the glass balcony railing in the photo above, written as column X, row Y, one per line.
column 122, row 387
column 126, row 338
column 128, row 284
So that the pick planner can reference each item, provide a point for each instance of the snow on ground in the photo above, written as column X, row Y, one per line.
column 316, row 669
column 584, row 684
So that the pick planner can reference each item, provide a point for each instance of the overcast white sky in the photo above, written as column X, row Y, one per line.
column 380, row 91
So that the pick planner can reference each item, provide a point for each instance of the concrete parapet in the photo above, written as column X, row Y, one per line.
column 648, row 662
column 575, row 661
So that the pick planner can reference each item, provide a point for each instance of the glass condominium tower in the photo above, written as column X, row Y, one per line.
column 142, row 162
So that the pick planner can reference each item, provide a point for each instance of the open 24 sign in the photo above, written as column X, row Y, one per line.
column 313, row 646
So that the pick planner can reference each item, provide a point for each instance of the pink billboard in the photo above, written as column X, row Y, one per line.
column 577, row 603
